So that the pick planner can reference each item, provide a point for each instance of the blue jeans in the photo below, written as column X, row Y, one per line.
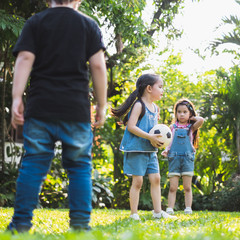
column 39, row 141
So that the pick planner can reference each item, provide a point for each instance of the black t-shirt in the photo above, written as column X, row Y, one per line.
column 62, row 41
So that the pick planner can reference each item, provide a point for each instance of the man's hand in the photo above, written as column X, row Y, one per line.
column 100, row 117
column 17, row 112
column 22, row 69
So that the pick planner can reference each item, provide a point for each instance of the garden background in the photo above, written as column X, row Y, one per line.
column 130, row 42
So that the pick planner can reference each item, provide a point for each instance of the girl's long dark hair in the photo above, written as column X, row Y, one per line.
column 191, row 108
column 141, row 84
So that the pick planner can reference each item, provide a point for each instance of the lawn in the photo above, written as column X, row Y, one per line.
column 49, row 224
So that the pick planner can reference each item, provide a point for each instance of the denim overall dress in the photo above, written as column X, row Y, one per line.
column 181, row 154
column 140, row 157
column 133, row 143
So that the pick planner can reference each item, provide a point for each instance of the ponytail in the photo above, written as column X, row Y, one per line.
column 141, row 84
column 125, row 107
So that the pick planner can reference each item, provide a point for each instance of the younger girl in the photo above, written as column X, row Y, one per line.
column 181, row 152
column 140, row 158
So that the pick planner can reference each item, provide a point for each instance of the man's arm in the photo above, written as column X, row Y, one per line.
column 99, row 78
column 23, row 67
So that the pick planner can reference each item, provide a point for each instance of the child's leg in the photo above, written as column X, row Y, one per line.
column 187, row 185
column 39, row 150
column 137, row 182
column 76, row 158
column 172, row 191
column 154, row 179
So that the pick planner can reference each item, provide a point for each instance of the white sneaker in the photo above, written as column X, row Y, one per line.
column 188, row 210
column 163, row 214
column 169, row 211
column 135, row 216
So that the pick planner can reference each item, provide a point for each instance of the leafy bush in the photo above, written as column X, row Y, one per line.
column 54, row 193
column 8, row 184
column 202, row 202
column 101, row 194
column 121, row 193
column 225, row 199
column 228, row 199
column 54, row 190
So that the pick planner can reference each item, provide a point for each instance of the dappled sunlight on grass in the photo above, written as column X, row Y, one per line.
column 115, row 224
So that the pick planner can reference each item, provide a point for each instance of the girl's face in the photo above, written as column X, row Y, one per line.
column 157, row 90
column 183, row 114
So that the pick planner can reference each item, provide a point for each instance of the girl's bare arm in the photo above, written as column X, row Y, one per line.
column 198, row 122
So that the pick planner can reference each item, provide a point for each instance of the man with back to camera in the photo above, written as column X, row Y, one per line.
column 53, row 49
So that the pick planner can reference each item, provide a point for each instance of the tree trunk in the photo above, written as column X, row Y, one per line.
column 118, row 166
column 2, row 107
column 238, row 142
column 165, row 4
column 2, row 121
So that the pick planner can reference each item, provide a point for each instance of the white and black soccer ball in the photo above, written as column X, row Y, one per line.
column 166, row 133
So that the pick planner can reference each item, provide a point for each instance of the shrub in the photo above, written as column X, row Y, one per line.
column 8, row 184
column 101, row 193
column 121, row 193
column 228, row 199
column 54, row 189
column 225, row 199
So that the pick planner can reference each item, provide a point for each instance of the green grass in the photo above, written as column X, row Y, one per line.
column 51, row 224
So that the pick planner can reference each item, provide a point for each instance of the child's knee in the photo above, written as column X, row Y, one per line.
column 156, row 179
column 187, row 188
column 137, row 183
column 173, row 188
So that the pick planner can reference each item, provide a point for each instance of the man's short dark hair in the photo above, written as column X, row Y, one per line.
column 62, row 1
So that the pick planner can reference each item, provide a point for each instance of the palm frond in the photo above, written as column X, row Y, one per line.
column 232, row 20
column 237, row 1
column 227, row 38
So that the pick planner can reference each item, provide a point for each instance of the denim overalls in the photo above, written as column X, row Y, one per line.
column 181, row 155
column 140, row 157
column 133, row 143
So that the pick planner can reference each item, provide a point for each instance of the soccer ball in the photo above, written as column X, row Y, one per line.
column 166, row 134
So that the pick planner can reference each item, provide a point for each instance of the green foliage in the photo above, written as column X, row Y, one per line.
column 10, row 25
column 232, row 36
column 54, row 193
column 226, row 198
column 176, row 86
column 221, row 108
column 115, row 224
column 24, row 8
column 125, row 22
column 55, row 188
column 209, row 164
column 121, row 193
column 102, row 196
column 8, row 184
